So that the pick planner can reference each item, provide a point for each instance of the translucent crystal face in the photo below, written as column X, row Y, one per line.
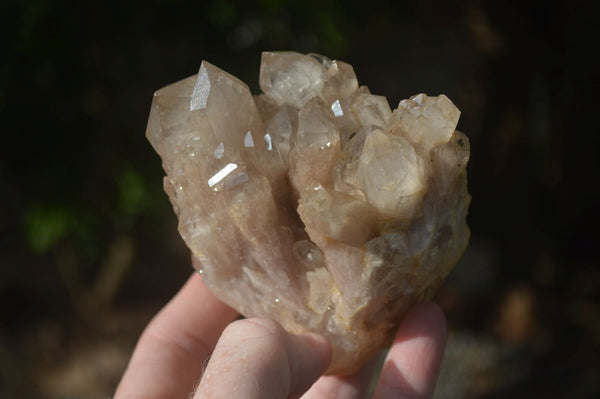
column 314, row 204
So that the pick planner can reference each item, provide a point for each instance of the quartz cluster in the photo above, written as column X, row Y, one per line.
column 314, row 203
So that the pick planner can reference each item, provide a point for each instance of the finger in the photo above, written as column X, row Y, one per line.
column 171, row 353
column 257, row 358
column 353, row 386
column 411, row 367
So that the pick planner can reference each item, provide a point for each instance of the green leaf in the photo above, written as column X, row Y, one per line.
column 132, row 193
column 46, row 226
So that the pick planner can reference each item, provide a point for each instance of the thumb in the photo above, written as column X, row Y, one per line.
column 257, row 358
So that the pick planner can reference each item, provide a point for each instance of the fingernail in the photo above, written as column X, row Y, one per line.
column 317, row 342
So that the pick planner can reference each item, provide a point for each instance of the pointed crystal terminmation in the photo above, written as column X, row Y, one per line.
column 314, row 204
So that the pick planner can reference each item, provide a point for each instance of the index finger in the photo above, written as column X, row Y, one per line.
column 172, row 351
column 411, row 367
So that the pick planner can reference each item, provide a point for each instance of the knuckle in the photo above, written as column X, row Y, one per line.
column 255, row 328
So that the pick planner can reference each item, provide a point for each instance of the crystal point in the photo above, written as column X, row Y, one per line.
column 314, row 204
column 201, row 90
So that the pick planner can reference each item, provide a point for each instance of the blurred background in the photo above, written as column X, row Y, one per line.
column 88, row 244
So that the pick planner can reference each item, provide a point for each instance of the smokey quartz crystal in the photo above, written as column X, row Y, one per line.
column 314, row 204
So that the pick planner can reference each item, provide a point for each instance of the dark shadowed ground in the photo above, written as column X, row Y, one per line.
column 88, row 242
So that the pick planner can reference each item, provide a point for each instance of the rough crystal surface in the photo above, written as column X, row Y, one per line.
column 314, row 204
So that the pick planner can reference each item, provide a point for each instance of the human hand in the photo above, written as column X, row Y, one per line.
column 256, row 358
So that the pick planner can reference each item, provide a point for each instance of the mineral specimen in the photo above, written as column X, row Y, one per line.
column 314, row 203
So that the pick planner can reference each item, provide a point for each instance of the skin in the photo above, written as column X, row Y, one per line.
column 193, row 348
